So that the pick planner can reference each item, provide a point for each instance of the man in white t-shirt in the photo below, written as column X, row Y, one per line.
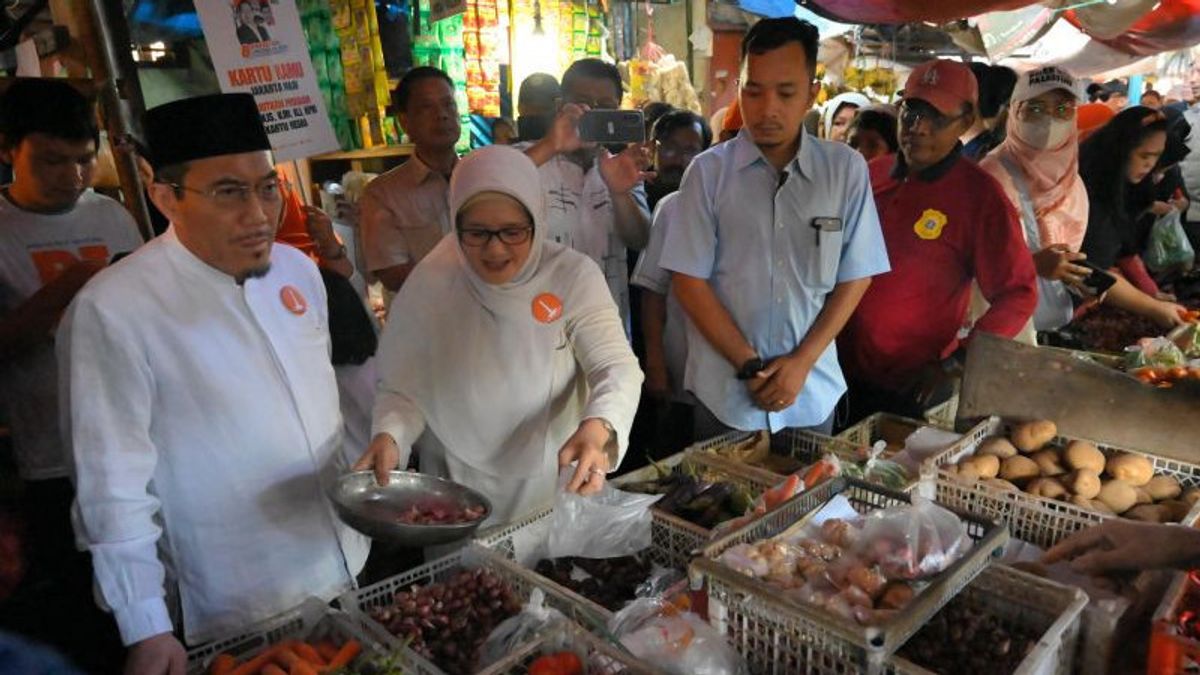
column 55, row 233
column 595, row 201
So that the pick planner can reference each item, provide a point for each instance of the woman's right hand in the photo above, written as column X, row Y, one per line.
column 1057, row 263
column 1167, row 314
column 382, row 457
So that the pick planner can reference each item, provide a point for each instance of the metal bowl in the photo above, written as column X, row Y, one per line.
column 375, row 510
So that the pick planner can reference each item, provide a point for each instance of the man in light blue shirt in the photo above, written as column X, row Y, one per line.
column 772, row 246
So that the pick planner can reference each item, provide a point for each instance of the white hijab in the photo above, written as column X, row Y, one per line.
column 830, row 110
column 492, row 382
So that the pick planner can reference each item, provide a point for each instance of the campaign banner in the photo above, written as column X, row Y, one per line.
column 258, row 46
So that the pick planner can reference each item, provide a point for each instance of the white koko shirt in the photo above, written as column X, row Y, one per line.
column 205, row 430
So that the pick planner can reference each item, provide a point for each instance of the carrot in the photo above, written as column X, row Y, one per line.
column 345, row 655
column 327, row 649
column 818, row 473
column 272, row 669
column 222, row 665
column 307, row 653
column 295, row 664
column 254, row 665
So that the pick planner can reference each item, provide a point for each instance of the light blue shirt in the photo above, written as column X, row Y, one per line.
column 650, row 275
column 753, row 238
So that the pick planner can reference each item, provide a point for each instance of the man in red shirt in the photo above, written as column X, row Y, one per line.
column 947, row 224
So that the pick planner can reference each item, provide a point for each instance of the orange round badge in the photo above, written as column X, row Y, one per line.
column 293, row 300
column 547, row 308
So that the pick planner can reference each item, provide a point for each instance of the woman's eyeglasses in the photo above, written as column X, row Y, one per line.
column 480, row 237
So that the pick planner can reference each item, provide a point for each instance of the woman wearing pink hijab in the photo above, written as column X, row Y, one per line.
column 1038, row 167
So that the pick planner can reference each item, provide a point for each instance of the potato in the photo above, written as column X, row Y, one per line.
column 1019, row 468
column 1179, row 509
column 1149, row 513
column 1117, row 495
column 1133, row 469
column 1083, row 483
column 1143, row 497
column 986, row 466
column 1191, row 495
column 997, row 447
column 966, row 473
column 1084, row 455
column 1001, row 484
column 1092, row 504
column 1049, row 462
column 1033, row 436
column 1163, row 487
column 1047, row 487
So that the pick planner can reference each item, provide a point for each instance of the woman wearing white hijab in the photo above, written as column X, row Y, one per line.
column 507, row 357
column 836, row 126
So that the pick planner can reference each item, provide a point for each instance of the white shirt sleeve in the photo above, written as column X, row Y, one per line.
column 598, row 341
column 691, row 241
column 398, row 416
column 649, row 273
column 109, row 398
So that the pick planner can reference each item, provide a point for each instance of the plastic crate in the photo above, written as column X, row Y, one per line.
column 944, row 415
column 1037, row 520
column 892, row 429
column 358, row 603
column 313, row 620
column 1172, row 652
column 743, row 476
column 599, row 656
column 805, row 446
column 521, row 546
column 1031, row 604
column 732, row 596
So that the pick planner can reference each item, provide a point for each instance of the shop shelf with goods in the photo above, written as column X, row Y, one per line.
column 1044, row 522
column 736, row 601
column 598, row 656
column 312, row 622
column 364, row 604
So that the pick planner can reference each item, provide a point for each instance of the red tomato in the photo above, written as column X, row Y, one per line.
column 562, row 663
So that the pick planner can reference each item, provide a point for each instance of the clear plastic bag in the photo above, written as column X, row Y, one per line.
column 610, row 524
column 911, row 542
column 675, row 641
column 1168, row 245
column 1154, row 353
column 517, row 630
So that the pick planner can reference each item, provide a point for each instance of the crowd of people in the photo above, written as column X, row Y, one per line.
column 181, row 413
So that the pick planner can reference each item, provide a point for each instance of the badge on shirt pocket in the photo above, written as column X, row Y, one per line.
column 930, row 225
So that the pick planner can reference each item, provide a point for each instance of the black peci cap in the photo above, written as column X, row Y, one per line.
column 204, row 126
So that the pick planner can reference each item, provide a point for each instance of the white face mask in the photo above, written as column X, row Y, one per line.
column 1046, row 133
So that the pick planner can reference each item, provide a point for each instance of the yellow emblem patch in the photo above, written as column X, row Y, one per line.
column 930, row 225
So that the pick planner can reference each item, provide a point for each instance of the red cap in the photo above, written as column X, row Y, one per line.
column 946, row 85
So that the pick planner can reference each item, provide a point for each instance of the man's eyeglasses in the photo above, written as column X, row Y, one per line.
column 1031, row 112
column 234, row 195
column 480, row 237
column 911, row 117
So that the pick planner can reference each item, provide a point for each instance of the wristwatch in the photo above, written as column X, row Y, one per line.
column 751, row 368
column 341, row 253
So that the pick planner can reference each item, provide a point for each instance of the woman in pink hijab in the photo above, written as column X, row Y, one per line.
column 1038, row 167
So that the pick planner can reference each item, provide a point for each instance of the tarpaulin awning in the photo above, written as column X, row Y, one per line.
column 1174, row 24
column 907, row 11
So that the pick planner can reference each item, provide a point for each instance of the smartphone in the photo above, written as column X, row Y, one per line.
column 1100, row 280
column 612, row 126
